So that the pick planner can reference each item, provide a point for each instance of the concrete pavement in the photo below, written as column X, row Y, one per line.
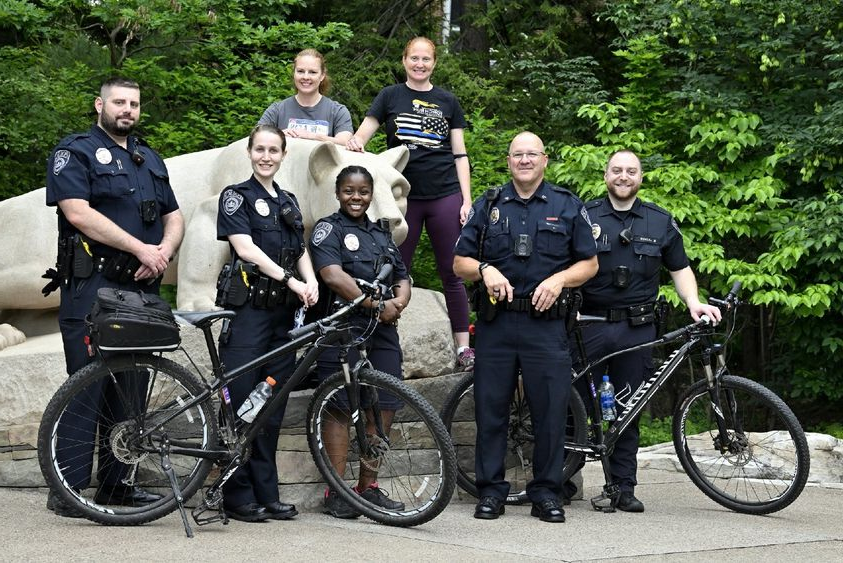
column 680, row 524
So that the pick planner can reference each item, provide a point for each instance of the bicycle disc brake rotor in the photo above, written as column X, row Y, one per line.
column 376, row 451
column 122, row 437
column 737, row 450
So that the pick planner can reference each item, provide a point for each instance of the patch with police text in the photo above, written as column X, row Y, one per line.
column 585, row 216
column 321, row 232
column 60, row 160
column 675, row 226
column 352, row 242
column 231, row 201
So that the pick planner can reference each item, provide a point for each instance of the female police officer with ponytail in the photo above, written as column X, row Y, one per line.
column 263, row 225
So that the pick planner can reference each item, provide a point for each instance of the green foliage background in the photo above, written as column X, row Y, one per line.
column 735, row 107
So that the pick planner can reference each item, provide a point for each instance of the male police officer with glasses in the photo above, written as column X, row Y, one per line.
column 119, row 226
column 634, row 239
column 525, row 241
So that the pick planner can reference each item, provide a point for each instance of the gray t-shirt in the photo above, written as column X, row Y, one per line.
column 327, row 117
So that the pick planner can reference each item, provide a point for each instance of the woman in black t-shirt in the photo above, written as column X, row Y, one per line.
column 430, row 123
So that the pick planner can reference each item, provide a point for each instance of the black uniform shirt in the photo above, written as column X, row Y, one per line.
column 654, row 240
column 274, row 223
column 91, row 166
column 554, row 220
column 339, row 240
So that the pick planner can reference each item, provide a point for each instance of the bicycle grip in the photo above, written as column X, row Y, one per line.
column 301, row 331
column 386, row 271
column 736, row 287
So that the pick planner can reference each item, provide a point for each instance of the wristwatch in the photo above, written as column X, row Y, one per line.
column 287, row 275
column 482, row 266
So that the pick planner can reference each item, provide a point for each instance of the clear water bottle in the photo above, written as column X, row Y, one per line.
column 256, row 400
column 607, row 399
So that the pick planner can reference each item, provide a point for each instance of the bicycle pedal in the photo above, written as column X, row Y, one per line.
column 603, row 503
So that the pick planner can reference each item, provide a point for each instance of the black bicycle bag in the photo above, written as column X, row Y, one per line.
column 123, row 320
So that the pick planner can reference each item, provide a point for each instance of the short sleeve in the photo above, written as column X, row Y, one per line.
column 458, row 120
column 232, row 215
column 673, row 251
column 582, row 238
column 379, row 107
column 325, row 245
column 342, row 120
column 67, row 177
column 271, row 115
column 468, row 241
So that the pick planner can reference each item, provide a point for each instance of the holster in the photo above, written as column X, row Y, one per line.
column 485, row 309
column 660, row 311
column 233, row 284
column 81, row 258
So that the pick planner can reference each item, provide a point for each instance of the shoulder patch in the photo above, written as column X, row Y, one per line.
column 321, row 232
column 60, row 160
column 674, row 225
column 231, row 201
column 585, row 216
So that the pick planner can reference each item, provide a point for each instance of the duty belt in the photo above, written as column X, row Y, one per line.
column 525, row 305
column 636, row 314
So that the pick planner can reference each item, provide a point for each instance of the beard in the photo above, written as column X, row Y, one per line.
column 112, row 125
column 625, row 195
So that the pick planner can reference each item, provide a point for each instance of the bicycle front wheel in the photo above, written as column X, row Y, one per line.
column 415, row 465
column 458, row 416
column 761, row 465
column 89, row 447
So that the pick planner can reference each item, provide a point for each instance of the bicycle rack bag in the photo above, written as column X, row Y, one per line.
column 123, row 320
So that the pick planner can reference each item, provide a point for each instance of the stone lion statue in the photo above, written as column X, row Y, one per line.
column 29, row 232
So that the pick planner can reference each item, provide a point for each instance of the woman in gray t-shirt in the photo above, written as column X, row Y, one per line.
column 310, row 114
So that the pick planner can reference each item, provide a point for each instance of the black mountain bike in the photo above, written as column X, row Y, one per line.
column 739, row 443
column 172, row 437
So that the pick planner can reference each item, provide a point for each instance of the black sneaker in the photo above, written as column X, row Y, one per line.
column 57, row 504
column 375, row 495
column 336, row 506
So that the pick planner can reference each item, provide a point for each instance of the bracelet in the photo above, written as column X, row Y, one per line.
column 460, row 155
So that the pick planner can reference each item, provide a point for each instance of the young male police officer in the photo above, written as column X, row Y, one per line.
column 526, row 241
column 634, row 239
column 115, row 206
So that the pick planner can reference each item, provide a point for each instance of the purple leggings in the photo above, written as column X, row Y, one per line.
column 441, row 218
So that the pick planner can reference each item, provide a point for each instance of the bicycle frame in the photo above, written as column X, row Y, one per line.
column 603, row 443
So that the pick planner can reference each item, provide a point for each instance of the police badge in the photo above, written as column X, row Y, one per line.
column 494, row 215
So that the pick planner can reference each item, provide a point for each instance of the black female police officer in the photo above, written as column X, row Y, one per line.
column 536, row 240
column 262, row 223
column 345, row 246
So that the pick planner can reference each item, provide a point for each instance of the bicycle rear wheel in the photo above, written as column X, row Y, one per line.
column 458, row 416
column 763, row 463
column 415, row 467
column 91, row 425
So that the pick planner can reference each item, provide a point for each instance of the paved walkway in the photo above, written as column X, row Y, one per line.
column 680, row 524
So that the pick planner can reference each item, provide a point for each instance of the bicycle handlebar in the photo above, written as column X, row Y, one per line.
column 374, row 289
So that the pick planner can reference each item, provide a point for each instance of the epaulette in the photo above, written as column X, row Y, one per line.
column 70, row 138
column 594, row 203
column 559, row 189
column 654, row 207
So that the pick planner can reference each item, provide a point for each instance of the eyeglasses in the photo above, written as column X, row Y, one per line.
column 528, row 155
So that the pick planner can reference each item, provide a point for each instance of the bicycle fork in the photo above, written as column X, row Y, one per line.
column 723, row 442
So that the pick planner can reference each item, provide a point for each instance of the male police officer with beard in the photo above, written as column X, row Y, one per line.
column 119, row 226
column 526, row 241
column 634, row 239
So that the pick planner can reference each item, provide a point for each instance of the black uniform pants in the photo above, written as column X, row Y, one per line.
column 626, row 372
column 255, row 332
column 102, row 407
column 539, row 349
